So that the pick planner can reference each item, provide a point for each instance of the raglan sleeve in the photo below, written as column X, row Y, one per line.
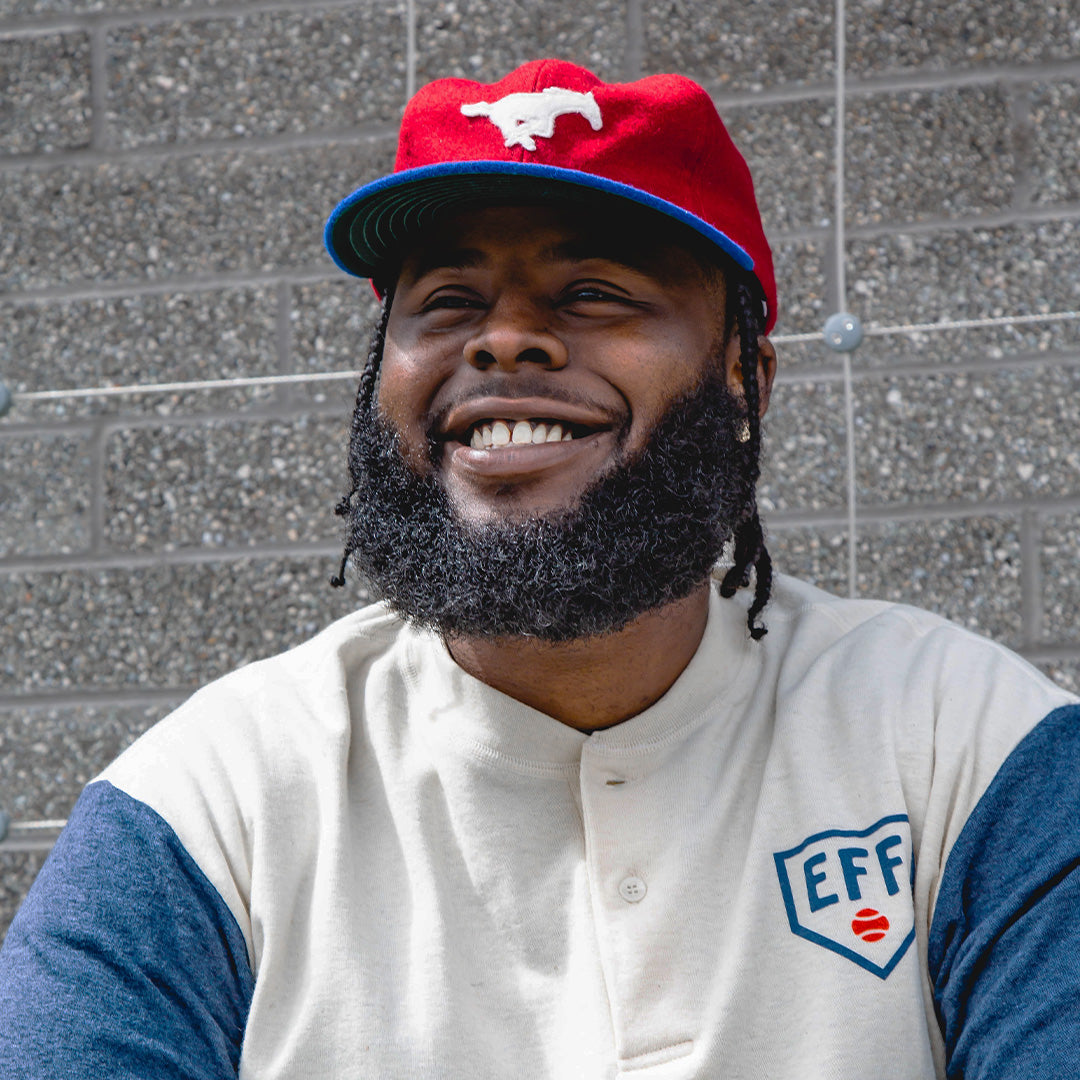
column 1004, row 942
column 123, row 961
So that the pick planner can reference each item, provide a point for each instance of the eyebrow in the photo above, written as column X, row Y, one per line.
column 609, row 250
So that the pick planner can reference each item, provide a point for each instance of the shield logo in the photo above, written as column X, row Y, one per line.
column 850, row 891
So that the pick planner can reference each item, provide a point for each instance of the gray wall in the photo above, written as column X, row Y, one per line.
column 166, row 168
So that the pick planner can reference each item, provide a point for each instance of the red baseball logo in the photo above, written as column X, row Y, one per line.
column 870, row 925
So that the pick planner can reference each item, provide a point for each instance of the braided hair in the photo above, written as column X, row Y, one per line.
column 750, row 552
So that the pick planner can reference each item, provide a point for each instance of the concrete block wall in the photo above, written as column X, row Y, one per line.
column 165, row 170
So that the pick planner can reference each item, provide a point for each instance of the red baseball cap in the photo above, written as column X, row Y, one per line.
column 552, row 130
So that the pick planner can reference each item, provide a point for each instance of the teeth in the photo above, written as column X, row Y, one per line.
column 497, row 433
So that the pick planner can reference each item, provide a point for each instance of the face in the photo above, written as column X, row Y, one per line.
column 532, row 350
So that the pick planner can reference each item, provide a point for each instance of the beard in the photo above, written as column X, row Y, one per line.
column 645, row 534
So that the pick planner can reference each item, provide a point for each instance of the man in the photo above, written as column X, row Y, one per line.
column 560, row 806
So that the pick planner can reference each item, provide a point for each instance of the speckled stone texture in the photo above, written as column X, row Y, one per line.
column 45, row 493
column 47, row 756
column 1061, row 578
column 803, row 464
column 44, row 93
column 966, row 569
column 972, row 436
column 225, row 484
column 149, row 338
column 800, row 282
column 17, row 873
column 484, row 40
column 928, row 154
column 1065, row 673
column 737, row 46
column 165, row 627
column 788, row 146
column 943, row 35
column 818, row 556
column 295, row 71
column 1055, row 117
column 965, row 273
column 159, row 217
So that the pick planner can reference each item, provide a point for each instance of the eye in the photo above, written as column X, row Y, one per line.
column 443, row 300
column 589, row 293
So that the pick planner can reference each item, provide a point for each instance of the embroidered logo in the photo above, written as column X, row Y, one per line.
column 850, row 891
column 522, row 118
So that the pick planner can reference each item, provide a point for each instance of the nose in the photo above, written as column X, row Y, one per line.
column 513, row 333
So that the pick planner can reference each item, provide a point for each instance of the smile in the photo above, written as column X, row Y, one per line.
column 495, row 434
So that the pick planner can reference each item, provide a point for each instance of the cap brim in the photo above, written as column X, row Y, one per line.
column 368, row 230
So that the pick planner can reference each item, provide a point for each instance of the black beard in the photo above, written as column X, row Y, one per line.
column 645, row 534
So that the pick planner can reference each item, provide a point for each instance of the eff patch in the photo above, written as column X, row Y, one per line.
column 850, row 891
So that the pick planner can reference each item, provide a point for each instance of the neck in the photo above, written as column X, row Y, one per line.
column 592, row 683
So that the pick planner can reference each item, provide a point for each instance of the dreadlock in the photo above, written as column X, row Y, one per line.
column 750, row 553
column 365, row 396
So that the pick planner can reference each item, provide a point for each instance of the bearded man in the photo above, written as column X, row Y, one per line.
column 558, row 805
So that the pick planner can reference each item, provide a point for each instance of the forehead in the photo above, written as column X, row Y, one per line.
column 542, row 235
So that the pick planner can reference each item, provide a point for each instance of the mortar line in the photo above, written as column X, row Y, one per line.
column 98, row 439
column 98, row 91
column 633, row 56
column 1023, row 136
column 1031, row 614
column 35, row 24
column 410, row 50
column 167, row 151
column 88, row 696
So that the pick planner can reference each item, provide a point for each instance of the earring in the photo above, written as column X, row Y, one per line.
column 742, row 430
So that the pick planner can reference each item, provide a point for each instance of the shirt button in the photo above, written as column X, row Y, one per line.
column 632, row 889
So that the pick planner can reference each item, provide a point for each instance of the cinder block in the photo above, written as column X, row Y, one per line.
column 45, row 93
column 484, row 40
column 971, row 346
column 971, row 436
column 965, row 273
column 738, row 46
column 332, row 323
column 942, row 35
column 149, row 338
column 258, row 74
column 817, row 555
column 218, row 484
column 47, row 756
column 788, row 147
column 88, row 7
column 199, row 214
column 17, row 873
column 801, row 285
column 928, row 154
column 804, row 465
column 1060, row 559
column 1055, row 118
column 45, row 490
column 165, row 627
column 965, row 569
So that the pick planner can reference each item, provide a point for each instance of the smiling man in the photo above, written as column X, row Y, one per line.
column 558, row 805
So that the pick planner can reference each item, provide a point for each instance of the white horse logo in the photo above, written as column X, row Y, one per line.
column 520, row 117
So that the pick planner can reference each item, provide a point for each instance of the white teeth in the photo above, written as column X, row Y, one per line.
column 500, row 433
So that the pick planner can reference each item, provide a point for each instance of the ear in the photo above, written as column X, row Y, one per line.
column 766, row 369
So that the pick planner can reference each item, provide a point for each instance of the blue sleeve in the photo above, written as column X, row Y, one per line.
column 123, row 961
column 1004, row 949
